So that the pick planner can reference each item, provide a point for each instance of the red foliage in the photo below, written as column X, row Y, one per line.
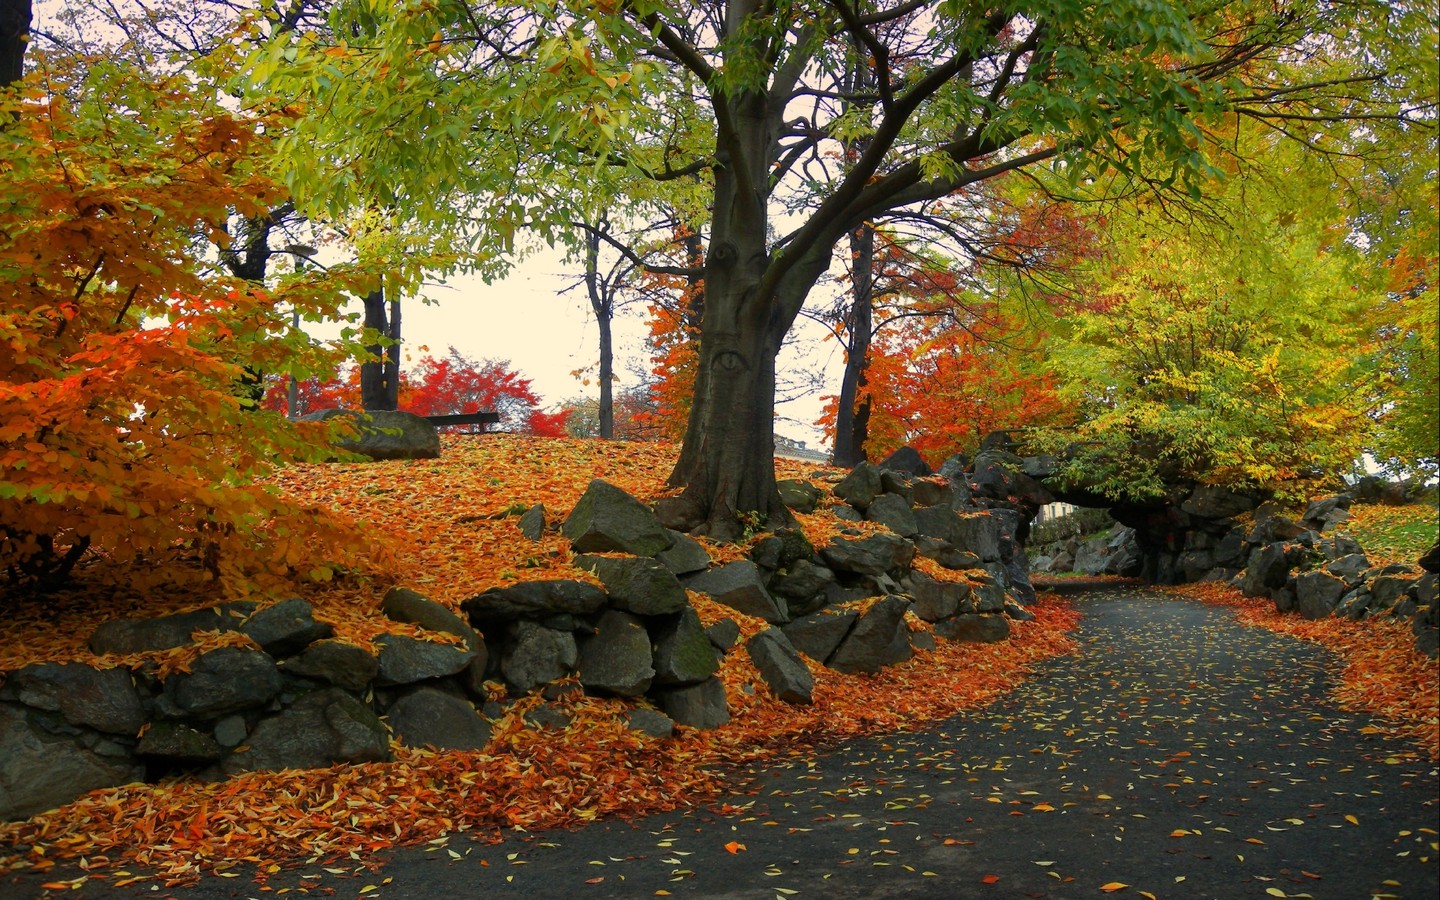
column 450, row 385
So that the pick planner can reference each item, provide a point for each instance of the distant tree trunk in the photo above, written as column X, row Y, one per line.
column 380, row 375
column 248, row 257
column 602, row 303
column 852, row 417
column 14, row 39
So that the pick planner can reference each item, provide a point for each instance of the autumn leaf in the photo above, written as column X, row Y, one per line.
column 1113, row 886
column 734, row 847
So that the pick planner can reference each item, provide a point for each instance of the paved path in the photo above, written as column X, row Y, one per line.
column 1179, row 754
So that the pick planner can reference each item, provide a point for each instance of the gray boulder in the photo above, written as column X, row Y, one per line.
column 876, row 554
column 532, row 522
column 818, row 634
column 179, row 744
column 1268, row 569
column 798, row 494
column 1215, row 502
column 286, row 628
column 926, row 493
column 1387, row 589
column 1317, row 594
column 880, row 638
column 1350, row 567
column 859, row 487
column 685, row 556
column 533, row 600
column 637, row 584
column 892, row 511
column 740, row 586
column 103, row 699
column 723, row 634
column 404, row 605
column 124, row 636
column 981, row 629
column 429, row 717
column 320, row 729
column 224, row 680
column 1272, row 528
column 407, row 660
column 1327, row 512
column 702, row 705
column 781, row 666
column 683, row 651
column 335, row 662
column 606, row 519
column 907, row 460
column 980, row 534
column 40, row 770
column 616, row 659
column 650, row 722
column 385, row 434
column 536, row 655
column 937, row 600
column 781, row 549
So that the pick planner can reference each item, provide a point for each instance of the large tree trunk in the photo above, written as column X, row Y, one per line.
column 380, row 375
column 14, row 38
column 852, row 415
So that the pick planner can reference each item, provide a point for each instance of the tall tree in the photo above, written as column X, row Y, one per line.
column 748, row 94
column 14, row 38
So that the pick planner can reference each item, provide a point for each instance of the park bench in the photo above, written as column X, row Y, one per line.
column 482, row 419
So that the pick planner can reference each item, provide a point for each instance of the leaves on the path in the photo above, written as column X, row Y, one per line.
column 1383, row 674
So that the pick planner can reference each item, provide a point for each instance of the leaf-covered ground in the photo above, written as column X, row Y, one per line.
column 1176, row 754
column 1393, row 533
column 449, row 530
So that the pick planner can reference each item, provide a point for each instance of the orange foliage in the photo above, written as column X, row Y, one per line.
column 1384, row 675
column 122, row 429
column 449, row 527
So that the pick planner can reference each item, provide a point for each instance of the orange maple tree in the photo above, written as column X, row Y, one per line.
column 122, row 432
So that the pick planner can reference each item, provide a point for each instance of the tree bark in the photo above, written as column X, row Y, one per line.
column 603, row 305
column 380, row 375
column 14, row 39
column 852, row 415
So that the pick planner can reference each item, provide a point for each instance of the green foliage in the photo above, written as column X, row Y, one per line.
column 1222, row 344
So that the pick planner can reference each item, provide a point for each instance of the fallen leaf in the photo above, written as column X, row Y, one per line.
column 735, row 847
column 1113, row 886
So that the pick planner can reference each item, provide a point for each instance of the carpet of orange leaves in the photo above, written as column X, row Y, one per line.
column 448, row 530
column 1382, row 674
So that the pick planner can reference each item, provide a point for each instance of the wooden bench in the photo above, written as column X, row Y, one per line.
column 482, row 419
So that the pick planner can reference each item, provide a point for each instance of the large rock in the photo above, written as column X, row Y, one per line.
column 407, row 660
column 740, row 586
column 223, row 680
column 616, row 659
column 683, row 651
column 937, row 600
column 859, row 487
column 880, row 638
column 103, row 699
column 536, row 655
column 320, row 729
column 1215, row 502
column 907, row 460
column 124, row 636
column 179, row 744
column 606, row 519
column 781, row 549
column 532, row 522
column 980, row 534
column 40, row 770
column 798, row 494
column 803, row 586
column 702, row 705
column 404, row 605
column 893, row 511
column 385, row 433
column 818, row 634
column 429, row 717
column 1268, row 570
column 286, row 628
column 1326, row 513
column 637, row 584
column 335, row 662
column 876, row 554
column 533, row 600
column 685, row 556
column 1317, row 594
column 781, row 667
column 981, row 629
